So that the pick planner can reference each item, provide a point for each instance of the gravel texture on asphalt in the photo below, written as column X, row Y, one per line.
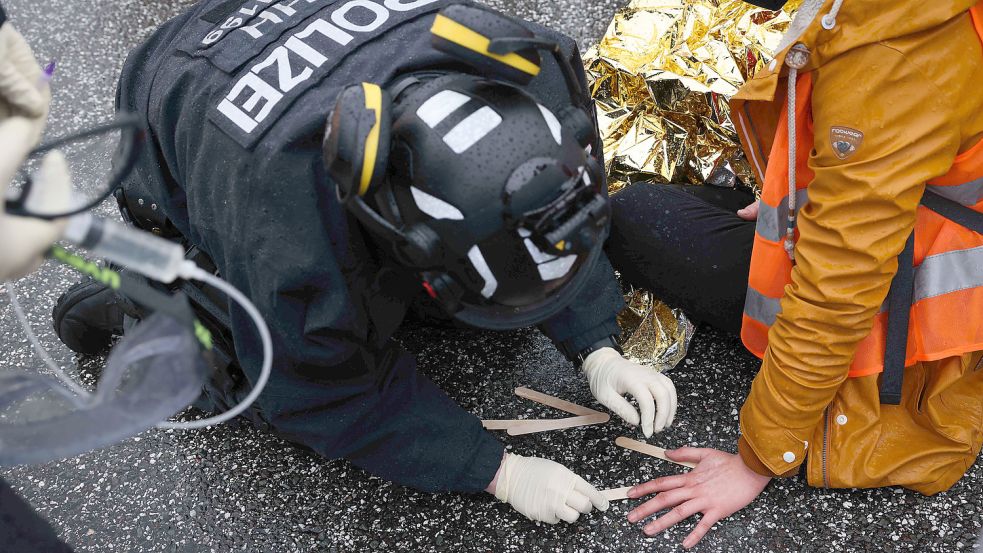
column 237, row 489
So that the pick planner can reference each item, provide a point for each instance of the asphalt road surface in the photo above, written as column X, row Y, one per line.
column 238, row 489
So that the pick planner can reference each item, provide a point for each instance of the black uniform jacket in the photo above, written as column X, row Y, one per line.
column 236, row 95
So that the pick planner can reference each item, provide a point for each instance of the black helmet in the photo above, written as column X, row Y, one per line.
column 491, row 197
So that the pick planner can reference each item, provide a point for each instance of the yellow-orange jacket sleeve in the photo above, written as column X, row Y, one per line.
column 860, row 213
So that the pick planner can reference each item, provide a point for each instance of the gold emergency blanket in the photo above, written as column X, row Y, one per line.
column 661, row 77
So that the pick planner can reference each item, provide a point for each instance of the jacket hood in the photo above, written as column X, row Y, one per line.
column 862, row 22
column 857, row 23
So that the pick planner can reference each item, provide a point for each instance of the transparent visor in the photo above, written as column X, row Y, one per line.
column 154, row 372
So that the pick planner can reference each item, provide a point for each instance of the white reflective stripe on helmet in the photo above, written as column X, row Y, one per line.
column 550, row 266
column 469, row 132
column 434, row 206
column 553, row 123
column 558, row 268
column 440, row 106
column 480, row 265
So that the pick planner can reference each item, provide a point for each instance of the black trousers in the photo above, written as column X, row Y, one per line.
column 21, row 529
column 687, row 245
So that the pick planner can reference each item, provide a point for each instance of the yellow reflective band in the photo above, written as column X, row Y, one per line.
column 103, row 275
column 373, row 101
column 452, row 31
column 203, row 335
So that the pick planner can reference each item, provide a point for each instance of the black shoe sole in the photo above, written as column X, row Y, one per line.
column 83, row 338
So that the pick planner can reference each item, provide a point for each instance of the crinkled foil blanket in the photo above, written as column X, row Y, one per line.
column 661, row 77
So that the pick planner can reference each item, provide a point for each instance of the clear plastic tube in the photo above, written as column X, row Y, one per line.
column 192, row 271
column 70, row 383
column 138, row 251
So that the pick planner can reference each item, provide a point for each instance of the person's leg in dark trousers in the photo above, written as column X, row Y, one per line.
column 687, row 246
column 22, row 530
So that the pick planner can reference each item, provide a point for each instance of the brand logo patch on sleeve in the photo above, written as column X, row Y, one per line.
column 845, row 141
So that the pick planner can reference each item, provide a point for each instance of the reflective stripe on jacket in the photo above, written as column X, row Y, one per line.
column 947, row 306
column 886, row 108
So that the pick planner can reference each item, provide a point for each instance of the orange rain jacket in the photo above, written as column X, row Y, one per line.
column 896, row 100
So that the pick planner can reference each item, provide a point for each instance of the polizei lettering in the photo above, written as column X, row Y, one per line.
column 257, row 92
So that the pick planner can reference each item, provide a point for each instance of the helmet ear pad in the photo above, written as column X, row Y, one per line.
column 357, row 139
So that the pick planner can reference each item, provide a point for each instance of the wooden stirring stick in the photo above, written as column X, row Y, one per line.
column 616, row 494
column 649, row 449
column 533, row 426
column 517, row 427
column 501, row 424
column 554, row 402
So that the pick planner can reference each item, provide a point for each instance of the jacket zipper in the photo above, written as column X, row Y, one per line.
column 825, row 448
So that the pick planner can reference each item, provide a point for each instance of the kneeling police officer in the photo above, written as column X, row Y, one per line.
column 335, row 160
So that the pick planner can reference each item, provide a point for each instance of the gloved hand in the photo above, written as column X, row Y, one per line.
column 23, row 240
column 611, row 376
column 19, row 79
column 545, row 491
column 24, row 103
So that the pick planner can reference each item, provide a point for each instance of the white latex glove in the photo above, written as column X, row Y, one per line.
column 24, row 103
column 611, row 376
column 545, row 491
column 20, row 75
column 23, row 240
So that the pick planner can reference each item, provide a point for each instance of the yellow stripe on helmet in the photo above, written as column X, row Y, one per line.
column 373, row 101
column 452, row 31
